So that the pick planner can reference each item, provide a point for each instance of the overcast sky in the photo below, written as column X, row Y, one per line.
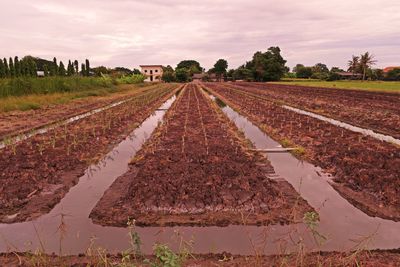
column 128, row 33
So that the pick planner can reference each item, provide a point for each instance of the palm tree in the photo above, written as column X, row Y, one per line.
column 353, row 64
column 366, row 61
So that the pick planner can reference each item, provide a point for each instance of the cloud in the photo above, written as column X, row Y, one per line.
column 129, row 33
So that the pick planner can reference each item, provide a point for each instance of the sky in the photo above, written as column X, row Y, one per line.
column 129, row 33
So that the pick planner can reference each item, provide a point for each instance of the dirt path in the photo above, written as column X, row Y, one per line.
column 36, row 173
column 377, row 111
column 17, row 122
column 366, row 171
column 196, row 170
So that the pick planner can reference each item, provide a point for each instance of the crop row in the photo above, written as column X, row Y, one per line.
column 376, row 111
column 37, row 172
column 366, row 171
column 197, row 170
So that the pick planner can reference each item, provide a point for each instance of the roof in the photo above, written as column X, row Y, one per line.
column 151, row 66
column 387, row 69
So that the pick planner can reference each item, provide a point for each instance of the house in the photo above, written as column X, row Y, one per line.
column 349, row 75
column 153, row 73
column 387, row 69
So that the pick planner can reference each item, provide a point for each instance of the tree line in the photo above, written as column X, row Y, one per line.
column 264, row 66
column 29, row 66
column 359, row 66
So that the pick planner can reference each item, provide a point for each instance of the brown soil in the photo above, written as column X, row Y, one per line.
column 376, row 258
column 367, row 171
column 197, row 170
column 19, row 122
column 36, row 173
column 373, row 110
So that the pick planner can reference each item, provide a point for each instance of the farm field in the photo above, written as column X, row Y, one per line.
column 376, row 111
column 377, row 86
column 37, row 172
column 183, row 170
column 56, row 107
column 366, row 171
column 197, row 170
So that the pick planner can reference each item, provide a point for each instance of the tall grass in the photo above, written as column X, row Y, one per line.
column 48, row 85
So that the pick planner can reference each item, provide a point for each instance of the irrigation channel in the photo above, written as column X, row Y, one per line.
column 343, row 225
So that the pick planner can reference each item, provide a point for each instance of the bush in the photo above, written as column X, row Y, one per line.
column 131, row 79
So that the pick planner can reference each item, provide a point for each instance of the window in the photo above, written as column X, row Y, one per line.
column 156, row 70
column 145, row 70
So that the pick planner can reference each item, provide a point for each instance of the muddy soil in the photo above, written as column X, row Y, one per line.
column 197, row 170
column 376, row 258
column 19, row 122
column 36, row 173
column 373, row 110
column 366, row 171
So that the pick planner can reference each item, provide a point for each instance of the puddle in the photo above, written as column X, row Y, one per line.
column 380, row 137
column 340, row 221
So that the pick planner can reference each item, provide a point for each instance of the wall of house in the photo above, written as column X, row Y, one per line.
column 153, row 73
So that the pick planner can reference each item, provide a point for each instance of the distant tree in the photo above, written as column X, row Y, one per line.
column 87, row 67
column 70, row 68
column 83, row 69
column 321, row 68
column 6, row 68
column 354, row 64
column 366, row 61
column 2, row 70
column 393, row 75
column 55, row 66
column 122, row 71
column 45, row 70
column 17, row 67
column 11, row 66
column 220, row 68
column 98, row 71
column 61, row 69
column 267, row 66
column 33, row 68
column 136, row 71
column 76, row 65
column 168, row 74
column 192, row 66
column 243, row 73
column 304, row 72
column 182, row 75
column 336, row 69
column 297, row 67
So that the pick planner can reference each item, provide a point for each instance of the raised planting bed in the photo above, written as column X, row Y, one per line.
column 197, row 169
column 373, row 110
column 20, row 122
column 366, row 171
column 37, row 172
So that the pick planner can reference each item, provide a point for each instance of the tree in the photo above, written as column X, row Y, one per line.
column 366, row 61
column 6, row 68
column 2, row 70
column 70, row 68
column 182, row 75
column 304, row 72
column 168, row 74
column 136, row 71
column 17, row 67
column 55, row 66
column 393, row 75
column 353, row 64
column 320, row 68
column 87, row 67
column 220, row 68
column 98, row 71
column 76, row 65
column 83, row 70
column 61, row 69
column 268, row 66
column 192, row 66
column 11, row 66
